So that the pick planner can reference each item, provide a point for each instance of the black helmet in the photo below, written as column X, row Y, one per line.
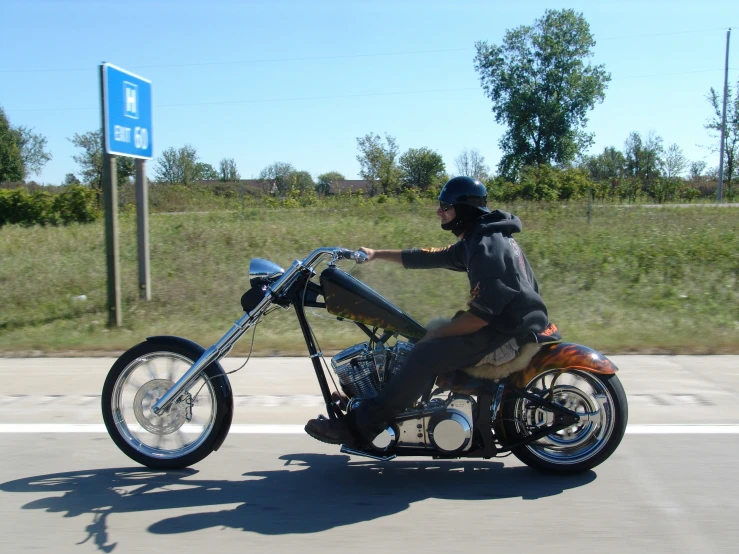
column 465, row 190
column 468, row 196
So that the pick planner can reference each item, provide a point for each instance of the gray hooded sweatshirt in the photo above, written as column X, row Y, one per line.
column 503, row 289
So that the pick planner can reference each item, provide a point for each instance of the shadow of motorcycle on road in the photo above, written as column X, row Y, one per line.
column 313, row 493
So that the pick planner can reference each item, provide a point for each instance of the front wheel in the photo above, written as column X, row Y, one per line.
column 600, row 401
column 189, row 430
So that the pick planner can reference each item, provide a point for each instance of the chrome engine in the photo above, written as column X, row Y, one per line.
column 442, row 425
column 363, row 371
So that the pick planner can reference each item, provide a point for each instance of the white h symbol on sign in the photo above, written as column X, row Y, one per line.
column 130, row 95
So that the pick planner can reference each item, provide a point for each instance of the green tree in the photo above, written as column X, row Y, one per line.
column 205, row 172
column 303, row 182
column 90, row 160
column 471, row 163
column 674, row 161
column 731, row 137
column 696, row 171
column 421, row 168
column 178, row 166
column 325, row 180
column 32, row 147
column 228, row 171
column 542, row 89
column 608, row 166
column 378, row 162
column 11, row 163
column 71, row 179
column 644, row 158
column 279, row 173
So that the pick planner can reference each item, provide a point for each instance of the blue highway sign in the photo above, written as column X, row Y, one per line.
column 126, row 113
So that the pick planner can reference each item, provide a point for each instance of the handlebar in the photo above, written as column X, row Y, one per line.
column 336, row 254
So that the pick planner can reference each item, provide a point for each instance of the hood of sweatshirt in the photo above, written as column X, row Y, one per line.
column 498, row 221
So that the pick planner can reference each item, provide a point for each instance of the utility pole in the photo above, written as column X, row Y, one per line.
column 723, row 123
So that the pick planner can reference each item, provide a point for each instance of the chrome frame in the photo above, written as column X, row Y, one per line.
column 220, row 349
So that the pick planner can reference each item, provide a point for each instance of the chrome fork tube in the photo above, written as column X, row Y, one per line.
column 213, row 354
column 222, row 347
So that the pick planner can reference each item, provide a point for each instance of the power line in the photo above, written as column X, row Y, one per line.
column 244, row 62
column 332, row 57
column 669, row 74
column 666, row 34
column 340, row 96
column 263, row 100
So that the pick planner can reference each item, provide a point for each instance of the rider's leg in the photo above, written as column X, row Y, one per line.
column 425, row 361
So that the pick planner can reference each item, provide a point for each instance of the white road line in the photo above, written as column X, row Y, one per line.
column 247, row 429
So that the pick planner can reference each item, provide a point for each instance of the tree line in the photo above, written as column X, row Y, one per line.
column 541, row 86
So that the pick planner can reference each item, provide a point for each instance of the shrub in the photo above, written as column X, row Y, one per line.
column 75, row 204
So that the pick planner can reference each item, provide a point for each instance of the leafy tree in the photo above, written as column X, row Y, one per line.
column 11, row 163
column 279, row 173
column 325, row 180
column 228, row 171
column 696, row 170
column 32, row 148
column 302, row 181
column 674, row 161
column 377, row 162
column 608, row 166
column 90, row 160
column 71, row 179
column 179, row 166
column 644, row 158
column 542, row 89
column 731, row 137
column 205, row 172
column 421, row 167
column 471, row 163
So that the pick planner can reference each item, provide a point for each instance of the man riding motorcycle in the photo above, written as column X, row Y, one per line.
column 504, row 309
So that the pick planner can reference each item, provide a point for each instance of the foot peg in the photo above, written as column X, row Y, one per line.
column 346, row 450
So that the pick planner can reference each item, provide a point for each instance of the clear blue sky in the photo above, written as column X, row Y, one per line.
column 299, row 81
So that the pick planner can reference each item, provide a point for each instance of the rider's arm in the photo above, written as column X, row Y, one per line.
column 449, row 257
column 465, row 324
column 389, row 255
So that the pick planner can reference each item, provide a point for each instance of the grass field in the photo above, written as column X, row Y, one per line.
column 633, row 280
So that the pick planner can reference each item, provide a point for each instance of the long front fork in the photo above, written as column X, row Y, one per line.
column 213, row 354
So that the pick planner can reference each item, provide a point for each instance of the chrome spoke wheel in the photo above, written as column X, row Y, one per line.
column 579, row 391
column 182, row 428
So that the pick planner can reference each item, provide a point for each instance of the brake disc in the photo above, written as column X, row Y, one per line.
column 169, row 421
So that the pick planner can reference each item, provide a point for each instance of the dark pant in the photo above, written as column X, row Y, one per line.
column 425, row 361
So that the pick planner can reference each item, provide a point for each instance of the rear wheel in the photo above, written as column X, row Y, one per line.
column 183, row 435
column 600, row 401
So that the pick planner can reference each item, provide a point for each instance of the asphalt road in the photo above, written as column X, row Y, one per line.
column 666, row 489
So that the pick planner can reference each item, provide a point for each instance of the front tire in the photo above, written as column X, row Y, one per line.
column 189, row 430
column 579, row 447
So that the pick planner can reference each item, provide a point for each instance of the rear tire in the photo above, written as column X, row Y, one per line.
column 190, row 429
column 579, row 447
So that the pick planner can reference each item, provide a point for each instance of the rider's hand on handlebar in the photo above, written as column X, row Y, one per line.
column 369, row 252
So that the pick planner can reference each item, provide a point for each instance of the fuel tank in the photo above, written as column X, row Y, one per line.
column 351, row 299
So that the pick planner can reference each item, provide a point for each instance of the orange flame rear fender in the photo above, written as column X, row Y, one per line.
column 564, row 356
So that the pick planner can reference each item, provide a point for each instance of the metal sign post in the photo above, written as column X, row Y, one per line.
column 142, row 227
column 127, row 131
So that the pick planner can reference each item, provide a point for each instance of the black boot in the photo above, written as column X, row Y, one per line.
column 331, row 431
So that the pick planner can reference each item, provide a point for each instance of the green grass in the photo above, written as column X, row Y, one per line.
column 634, row 280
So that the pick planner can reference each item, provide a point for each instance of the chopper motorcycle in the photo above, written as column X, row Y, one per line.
column 558, row 407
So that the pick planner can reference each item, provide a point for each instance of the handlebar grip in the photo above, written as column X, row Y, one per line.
column 359, row 257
